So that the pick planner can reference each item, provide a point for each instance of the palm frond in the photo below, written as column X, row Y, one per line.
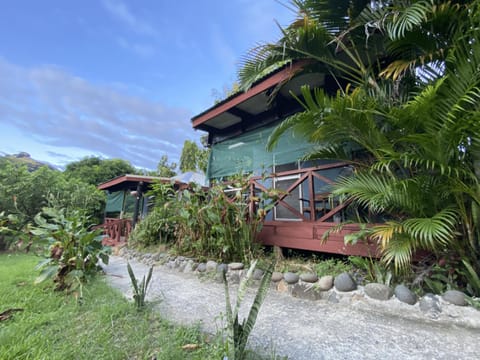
column 399, row 252
column 403, row 20
column 433, row 232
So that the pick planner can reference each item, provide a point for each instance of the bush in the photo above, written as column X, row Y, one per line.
column 157, row 227
column 73, row 251
column 214, row 225
column 204, row 223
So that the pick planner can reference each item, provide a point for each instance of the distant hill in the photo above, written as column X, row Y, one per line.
column 24, row 158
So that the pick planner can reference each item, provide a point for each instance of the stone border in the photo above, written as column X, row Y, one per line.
column 342, row 289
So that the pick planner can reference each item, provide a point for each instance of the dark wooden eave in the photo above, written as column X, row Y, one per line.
column 130, row 182
column 199, row 121
column 239, row 111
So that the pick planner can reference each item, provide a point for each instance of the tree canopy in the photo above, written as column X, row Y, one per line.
column 94, row 170
column 193, row 158
column 165, row 168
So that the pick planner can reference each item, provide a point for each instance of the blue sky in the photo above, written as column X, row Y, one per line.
column 119, row 78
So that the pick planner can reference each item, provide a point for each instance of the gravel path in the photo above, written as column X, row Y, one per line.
column 303, row 329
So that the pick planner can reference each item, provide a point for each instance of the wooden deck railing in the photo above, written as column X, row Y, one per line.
column 309, row 204
column 116, row 231
column 311, row 211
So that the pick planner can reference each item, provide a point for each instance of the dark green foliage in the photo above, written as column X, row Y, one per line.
column 204, row 223
column 139, row 288
column 160, row 224
column 238, row 332
column 24, row 193
column 8, row 230
column 72, row 250
column 408, row 121
column 94, row 170
column 213, row 225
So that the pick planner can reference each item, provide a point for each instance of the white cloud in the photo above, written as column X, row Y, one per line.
column 121, row 12
column 60, row 111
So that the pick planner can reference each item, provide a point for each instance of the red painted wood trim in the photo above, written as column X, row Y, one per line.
column 273, row 80
column 124, row 178
column 306, row 236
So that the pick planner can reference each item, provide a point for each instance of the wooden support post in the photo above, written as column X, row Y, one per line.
column 137, row 204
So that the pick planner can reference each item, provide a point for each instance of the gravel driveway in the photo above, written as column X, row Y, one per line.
column 302, row 329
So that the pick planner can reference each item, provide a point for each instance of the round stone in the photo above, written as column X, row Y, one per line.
column 236, row 266
column 277, row 276
column 222, row 268
column 257, row 274
column 325, row 283
column 344, row 282
column 202, row 267
column 455, row 297
column 405, row 295
column 309, row 277
column 378, row 291
column 290, row 278
column 211, row 265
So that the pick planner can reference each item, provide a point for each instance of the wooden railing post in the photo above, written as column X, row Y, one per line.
column 311, row 196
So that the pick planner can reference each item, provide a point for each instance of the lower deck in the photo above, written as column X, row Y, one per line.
column 309, row 236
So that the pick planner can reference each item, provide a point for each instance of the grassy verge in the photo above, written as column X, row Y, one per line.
column 105, row 325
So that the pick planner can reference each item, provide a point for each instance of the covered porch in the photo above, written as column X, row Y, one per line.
column 126, row 205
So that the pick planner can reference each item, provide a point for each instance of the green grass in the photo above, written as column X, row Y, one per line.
column 104, row 325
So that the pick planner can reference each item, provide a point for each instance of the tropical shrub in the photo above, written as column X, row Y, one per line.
column 157, row 227
column 160, row 223
column 204, row 222
column 8, row 232
column 216, row 225
column 73, row 251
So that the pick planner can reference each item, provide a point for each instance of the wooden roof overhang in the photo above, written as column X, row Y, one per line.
column 130, row 182
column 249, row 109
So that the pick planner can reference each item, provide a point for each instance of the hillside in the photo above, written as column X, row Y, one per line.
column 24, row 158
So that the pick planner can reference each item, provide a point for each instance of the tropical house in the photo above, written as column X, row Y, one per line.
column 126, row 204
column 238, row 128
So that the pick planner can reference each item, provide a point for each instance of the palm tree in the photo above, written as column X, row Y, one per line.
column 310, row 36
column 419, row 164
column 420, row 153
column 418, row 34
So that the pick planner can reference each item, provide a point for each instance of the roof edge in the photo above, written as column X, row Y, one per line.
column 270, row 80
